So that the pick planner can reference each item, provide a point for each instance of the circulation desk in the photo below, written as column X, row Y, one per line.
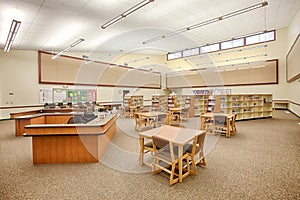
column 71, row 143
column 41, row 118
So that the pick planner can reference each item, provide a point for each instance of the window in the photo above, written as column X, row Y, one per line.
column 239, row 42
column 175, row 55
column 252, row 39
column 210, row 48
column 190, row 52
column 263, row 37
column 232, row 43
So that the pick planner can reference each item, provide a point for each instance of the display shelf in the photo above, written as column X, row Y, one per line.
column 200, row 104
column 130, row 101
column 182, row 101
column 159, row 103
column 246, row 106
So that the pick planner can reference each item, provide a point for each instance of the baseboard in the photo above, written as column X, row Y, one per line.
column 294, row 113
column 4, row 119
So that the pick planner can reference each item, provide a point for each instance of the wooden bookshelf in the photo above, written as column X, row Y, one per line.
column 182, row 101
column 133, row 101
column 246, row 106
column 200, row 104
column 159, row 103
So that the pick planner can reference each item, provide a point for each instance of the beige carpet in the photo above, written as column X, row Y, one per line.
column 261, row 162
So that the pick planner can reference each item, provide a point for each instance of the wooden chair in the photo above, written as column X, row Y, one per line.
column 122, row 112
column 196, row 150
column 132, row 111
column 167, row 154
column 209, row 123
column 184, row 115
column 177, row 124
column 139, row 121
column 161, row 120
column 76, row 119
column 146, row 147
column 220, row 124
column 232, row 124
column 174, row 116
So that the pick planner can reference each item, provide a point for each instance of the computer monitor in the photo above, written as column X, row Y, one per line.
column 80, row 104
column 51, row 105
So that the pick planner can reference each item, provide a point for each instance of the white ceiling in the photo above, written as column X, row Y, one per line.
column 52, row 25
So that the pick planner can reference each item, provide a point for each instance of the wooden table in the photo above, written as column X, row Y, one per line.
column 149, row 115
column 209, row 116
column 70, row 143
column 178, row 136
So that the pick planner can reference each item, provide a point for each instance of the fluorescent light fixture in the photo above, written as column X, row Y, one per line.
column 230, row 69
column 245, row 10
column 111, row 22
column 175, row 33
column 68, row 48
column 235, row 13
column 136, row 60
column 188, row 72
column 111, row 54
column 204, row 23
column 15, row 25
column 126, row 13
column 258, row 66
column 136, row 7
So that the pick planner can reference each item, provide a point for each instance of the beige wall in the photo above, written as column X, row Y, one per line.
column 276, row 50
column 293, row 88
column 19, row 75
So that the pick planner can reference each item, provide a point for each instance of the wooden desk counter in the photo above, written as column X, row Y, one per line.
column 40, row 118
column 70, row 143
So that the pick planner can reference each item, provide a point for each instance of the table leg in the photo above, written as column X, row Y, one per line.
column 202, row 122
column 228, row 127
column 180, row 153
column 141, row 150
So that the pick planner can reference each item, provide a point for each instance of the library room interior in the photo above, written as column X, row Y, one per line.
column 150, row 99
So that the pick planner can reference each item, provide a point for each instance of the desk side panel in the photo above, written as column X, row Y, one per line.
column 64, row 149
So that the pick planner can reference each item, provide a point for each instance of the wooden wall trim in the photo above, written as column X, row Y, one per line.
column 295, row 103
column 24, row 106
column 286, row 72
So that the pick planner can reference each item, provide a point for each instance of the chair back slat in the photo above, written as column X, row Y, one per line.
column 201, row 138
column 198, row 141
column 159, row 142
column 145, row 128
column 220, row 119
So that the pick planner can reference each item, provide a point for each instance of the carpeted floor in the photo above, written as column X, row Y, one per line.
column 260, row 162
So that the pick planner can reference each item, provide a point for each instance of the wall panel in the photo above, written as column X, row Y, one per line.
column 256, row 75
column 75, row 71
